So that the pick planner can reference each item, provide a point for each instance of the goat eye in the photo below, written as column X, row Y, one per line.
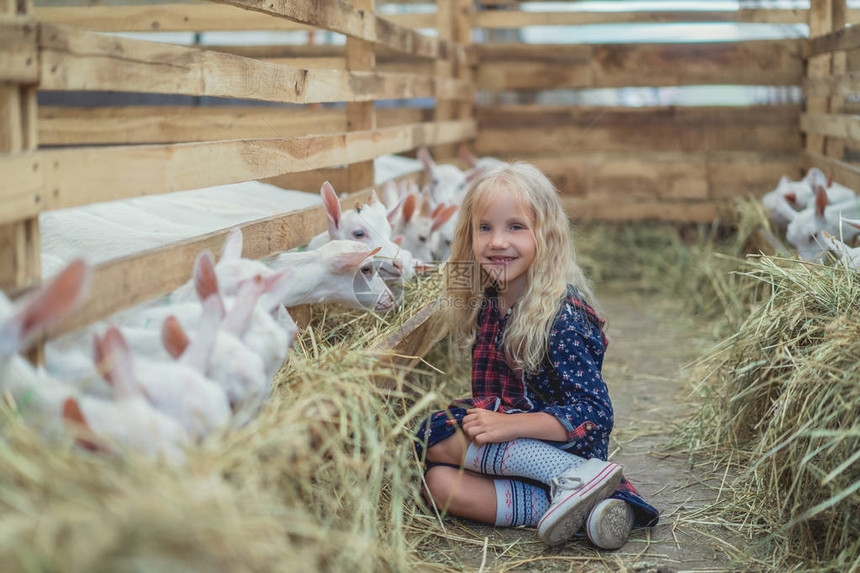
column 366, row 269
column 422, row 238
column 358, row 234
column 448, row 242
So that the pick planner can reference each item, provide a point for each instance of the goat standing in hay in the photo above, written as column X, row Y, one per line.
column 536, row 376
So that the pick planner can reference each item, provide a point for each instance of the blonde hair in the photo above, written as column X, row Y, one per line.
column 526, row 336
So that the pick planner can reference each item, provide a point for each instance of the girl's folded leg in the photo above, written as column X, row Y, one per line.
column 500, row 502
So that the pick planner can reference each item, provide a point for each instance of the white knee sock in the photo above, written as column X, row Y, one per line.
column 519, row 503
column 532, row 459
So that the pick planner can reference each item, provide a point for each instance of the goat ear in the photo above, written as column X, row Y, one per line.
column 73, row 414
column 398, row 240
column 116, row 358
column 426, row 160
column 344, row 262
column 173, row 337
column 332, row 207
column 467, row 157
column 239, row 318
column 791, row 197
column 205, row 279
column 443, row 217
column 820, row 201
column 374, row 198
column 390, row 194
column 232, row 248
column 408, row 208
column 50, row 304
column 394, row 210
column 199, row 351
column 275, row 290
column 99, row 359
column 475, row 174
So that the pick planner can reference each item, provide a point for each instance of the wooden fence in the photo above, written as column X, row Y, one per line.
column 57, row 157
column 830, row 123
column 610, row 161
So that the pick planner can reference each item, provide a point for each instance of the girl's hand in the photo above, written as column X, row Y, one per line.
column 486, row 426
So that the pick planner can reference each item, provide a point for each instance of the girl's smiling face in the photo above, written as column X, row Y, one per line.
column 504, row 241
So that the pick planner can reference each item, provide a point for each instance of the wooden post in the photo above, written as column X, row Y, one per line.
column 444, row 68
column 821, row 21
column 464, row 15
column 838, row 66
column 20, row 262
column 360, row 116
column 19, row 241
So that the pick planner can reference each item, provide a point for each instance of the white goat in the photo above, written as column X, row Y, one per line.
column 179, row 388
column 130, row 419
column 367, row 224
column 445, row 183
column 417, row 224
column 804, row 231
column 790, row 196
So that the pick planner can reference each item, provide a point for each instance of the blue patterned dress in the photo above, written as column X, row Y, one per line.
column 568, row 385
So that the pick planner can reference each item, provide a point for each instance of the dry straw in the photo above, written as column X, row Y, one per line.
column 782, row 401
column 324, row 478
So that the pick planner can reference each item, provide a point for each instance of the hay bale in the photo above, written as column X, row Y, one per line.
column 783, row 400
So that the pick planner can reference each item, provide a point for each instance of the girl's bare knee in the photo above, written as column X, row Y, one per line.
column 448, row 451
column 442, row 484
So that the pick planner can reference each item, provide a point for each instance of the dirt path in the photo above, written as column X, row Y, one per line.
column 651, row 341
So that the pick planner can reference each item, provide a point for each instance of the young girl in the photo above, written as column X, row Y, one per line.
column 539, row 419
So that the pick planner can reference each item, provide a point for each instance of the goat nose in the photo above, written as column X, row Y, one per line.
column 397, row 265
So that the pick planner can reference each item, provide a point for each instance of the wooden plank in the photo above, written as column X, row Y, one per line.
column 187, row 18
column 843, row 172
column 169, row 124
column 505, row 19
column 18, row 50
column 340, row 16
column 134, row 279
column 678, row 211
column 79, row 60
column 840, row 39
column 360, row 116
column 309, row 181
column 658, row 137
column 847, row 84
column 635, row 117
column 512, row 66
column 512, row 130
column 405, row 348
column 831, row 125
column 163, row 18
column 647, row 175
column 73, row 177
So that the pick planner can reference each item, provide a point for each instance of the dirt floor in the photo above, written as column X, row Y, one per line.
column 652, row 342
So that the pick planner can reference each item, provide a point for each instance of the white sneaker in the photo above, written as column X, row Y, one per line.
column 573, row 494
column 609, row 523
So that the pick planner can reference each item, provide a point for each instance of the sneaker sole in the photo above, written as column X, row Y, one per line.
column 616, row 526
column 562, row 523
